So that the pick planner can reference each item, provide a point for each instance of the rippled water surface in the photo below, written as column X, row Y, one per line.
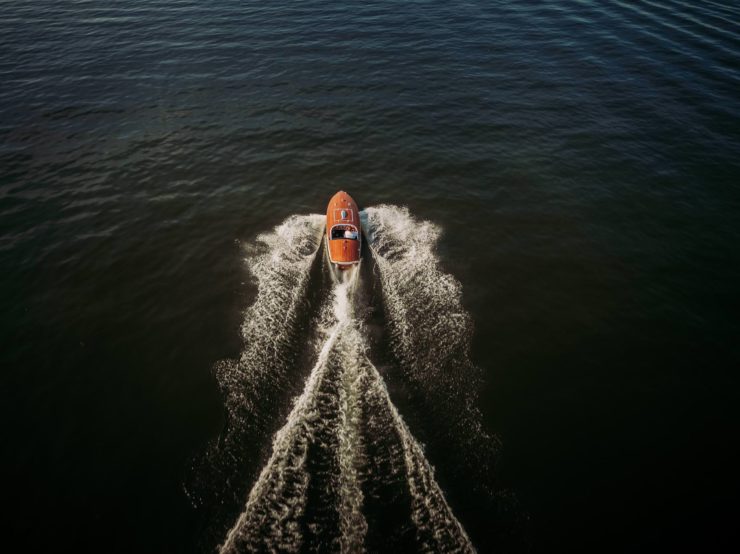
column 538, row 353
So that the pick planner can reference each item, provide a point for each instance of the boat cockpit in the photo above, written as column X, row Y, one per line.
column 348, row 232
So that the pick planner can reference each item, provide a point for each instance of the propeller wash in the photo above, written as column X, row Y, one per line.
column 344, row 473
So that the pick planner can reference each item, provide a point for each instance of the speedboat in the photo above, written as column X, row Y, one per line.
column 343, row 231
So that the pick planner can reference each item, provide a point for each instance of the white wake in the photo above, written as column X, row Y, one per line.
column 325, row 439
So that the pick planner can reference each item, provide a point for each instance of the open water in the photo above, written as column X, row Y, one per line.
column 538, row 353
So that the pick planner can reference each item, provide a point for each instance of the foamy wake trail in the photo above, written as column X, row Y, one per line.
column 430, row 329
column 343, row 389
column 273, row 517
column 437, row 528
column 280, row 263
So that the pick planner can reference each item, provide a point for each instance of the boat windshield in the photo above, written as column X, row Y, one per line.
column 344, row 232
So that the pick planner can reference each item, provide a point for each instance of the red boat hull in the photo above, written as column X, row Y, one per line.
column 343, row 231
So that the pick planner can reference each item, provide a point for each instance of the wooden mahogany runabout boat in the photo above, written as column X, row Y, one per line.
column 343, row 231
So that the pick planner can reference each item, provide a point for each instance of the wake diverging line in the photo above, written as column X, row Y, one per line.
column 310, row 493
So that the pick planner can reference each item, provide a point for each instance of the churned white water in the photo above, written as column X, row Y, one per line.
column 344, row 414
column 429, row 327
column 278, row 498
column 279, row 262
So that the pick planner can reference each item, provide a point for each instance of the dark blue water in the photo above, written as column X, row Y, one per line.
column 580, row 159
